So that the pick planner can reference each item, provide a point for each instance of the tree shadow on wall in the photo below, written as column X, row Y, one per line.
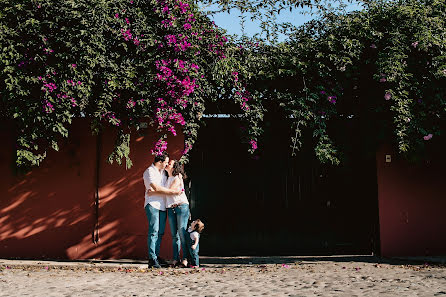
column 50, row 212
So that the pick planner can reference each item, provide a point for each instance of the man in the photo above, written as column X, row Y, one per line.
column 155, row 205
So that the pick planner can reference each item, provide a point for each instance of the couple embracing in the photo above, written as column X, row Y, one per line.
column 165, row 198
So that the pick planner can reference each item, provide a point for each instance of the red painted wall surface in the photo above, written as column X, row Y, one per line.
column 50, row 211
column 412, row 203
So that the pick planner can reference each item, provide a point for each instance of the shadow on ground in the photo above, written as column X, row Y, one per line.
column 213, row 261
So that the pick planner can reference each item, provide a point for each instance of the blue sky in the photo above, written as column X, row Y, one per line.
column 231, row 22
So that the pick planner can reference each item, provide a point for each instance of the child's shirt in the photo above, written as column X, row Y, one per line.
column 194, row 235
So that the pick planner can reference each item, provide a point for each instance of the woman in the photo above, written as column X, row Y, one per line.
column 177, row 211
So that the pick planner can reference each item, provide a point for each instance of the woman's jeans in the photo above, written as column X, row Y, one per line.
column 157, row 223
column 178, row 218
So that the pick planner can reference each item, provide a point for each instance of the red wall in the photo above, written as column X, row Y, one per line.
column 412, row 204
column 50, row 211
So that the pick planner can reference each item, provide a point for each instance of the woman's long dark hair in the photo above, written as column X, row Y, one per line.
column 178, row 169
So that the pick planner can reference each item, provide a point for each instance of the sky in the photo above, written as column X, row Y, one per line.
column 231, row 22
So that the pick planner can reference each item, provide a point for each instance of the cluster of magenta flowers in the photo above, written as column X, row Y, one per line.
column 126, row 32
column 176, row 76
column 48, row 107
column 179, row 42
column 111, row 117
column 160, row 146
column 243, row 96
column 71, row 82
column 48, row 51
column 332, row 99
column 173, row 78
column 50, row 88
column 428, row 137
column 26, row 62
column 253, row 144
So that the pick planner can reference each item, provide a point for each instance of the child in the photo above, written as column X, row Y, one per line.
column 195, row 228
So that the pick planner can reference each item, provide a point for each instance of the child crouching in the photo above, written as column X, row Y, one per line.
column 195, row 228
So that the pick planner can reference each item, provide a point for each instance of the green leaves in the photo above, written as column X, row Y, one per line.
column 394, row 47
column 65, row 59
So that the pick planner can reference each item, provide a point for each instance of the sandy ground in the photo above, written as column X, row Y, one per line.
column 324, row 276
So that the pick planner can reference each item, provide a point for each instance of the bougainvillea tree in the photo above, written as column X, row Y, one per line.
column 113, row 62
column 385, row 65
column 118, row 61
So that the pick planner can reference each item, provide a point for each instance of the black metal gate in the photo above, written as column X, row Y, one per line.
column 276, row 204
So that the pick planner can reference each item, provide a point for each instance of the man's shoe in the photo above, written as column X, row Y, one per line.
column 162, row 262
column 153, row 263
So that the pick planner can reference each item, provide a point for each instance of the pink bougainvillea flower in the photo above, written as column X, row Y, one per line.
column 126, row 34
column 323, row 92
column 48, row 107
column 73, row 102
column 428, row 137
column 187, row 148
column 382, row 79
column 172, row 130
column 253, row 144
column 414, row 44
column 171, row 39
column 332, row 99
column 183, row 7
column 187, row 26
column 387, row 96
column 73, row 65
column 160, row 147
column 166, row 23
column 117, row 15
column 285, row 266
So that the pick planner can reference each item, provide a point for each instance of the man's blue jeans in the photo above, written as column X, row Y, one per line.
column 178, row 218
column 157, row 224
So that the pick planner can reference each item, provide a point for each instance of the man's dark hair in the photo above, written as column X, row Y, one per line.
column 161, row 158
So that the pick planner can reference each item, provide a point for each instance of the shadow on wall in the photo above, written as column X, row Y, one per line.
column 50, row 212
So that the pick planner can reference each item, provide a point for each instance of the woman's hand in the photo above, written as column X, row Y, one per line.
column 150, row 192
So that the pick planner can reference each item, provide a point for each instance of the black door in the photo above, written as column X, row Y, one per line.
column 275, row 204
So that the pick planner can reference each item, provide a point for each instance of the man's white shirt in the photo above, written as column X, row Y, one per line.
column 153, row 176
